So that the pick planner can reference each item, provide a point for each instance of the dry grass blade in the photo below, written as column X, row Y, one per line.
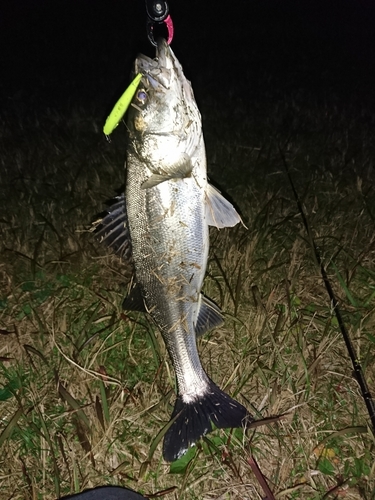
column 162, row 493
column 99, row 412
column 81, row 341
column 33, row 350
column 7, row 432
column 83, row 439
column 343, row 432
column 5, row 332
column 260, row 477
column 224, row 275
column 74, row 404
column 56, row 472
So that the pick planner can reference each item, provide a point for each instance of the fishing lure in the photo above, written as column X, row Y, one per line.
column 121, row 106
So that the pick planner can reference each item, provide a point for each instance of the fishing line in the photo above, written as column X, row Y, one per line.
column 357, row 368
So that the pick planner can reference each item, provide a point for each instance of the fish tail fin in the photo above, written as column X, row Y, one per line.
column 194, row 419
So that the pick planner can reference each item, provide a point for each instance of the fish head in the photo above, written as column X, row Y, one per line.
column 163, row 115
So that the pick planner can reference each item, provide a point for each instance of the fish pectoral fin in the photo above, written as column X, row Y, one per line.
column 112, row 228
column 219, row 211
column 134, row 301
column 154, row 180
column 180, row 170
column 209, row 316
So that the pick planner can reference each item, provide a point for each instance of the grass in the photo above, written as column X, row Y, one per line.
column 85, row 389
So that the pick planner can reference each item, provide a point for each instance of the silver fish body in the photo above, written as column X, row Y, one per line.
column 169, row 206
column 169, row 246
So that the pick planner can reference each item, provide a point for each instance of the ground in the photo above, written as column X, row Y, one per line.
column 84, row 388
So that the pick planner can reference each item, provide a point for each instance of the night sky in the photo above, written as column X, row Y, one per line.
column 77, row 53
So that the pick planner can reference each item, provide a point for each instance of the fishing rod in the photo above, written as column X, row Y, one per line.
column 357, row 368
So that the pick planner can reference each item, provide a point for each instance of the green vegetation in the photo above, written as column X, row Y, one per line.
column 85, row 389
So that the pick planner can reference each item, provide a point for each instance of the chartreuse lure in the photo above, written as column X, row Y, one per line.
column 121, row 106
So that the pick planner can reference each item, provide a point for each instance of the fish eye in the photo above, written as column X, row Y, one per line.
column 142, row 96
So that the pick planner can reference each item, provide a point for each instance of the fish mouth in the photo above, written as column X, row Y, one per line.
column 162, row 71
column 163, row 53
column 170, row 91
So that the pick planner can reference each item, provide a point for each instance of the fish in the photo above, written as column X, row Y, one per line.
column 163, row 220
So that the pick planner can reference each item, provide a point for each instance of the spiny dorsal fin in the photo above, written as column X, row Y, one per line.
column 219, row 211
column 112, row 228
column 209, row 316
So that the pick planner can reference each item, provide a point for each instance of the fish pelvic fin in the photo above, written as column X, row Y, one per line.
column 219, row 211
column 194, row 420
column 134, row 301
column 112, row 228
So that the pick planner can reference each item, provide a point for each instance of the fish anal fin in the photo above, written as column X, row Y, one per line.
column 219, row 211
column 134, row 301
column 195, row 419
column 209, row 316
column 179, row 170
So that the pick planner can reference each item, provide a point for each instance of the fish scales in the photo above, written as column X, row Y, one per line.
column 170, row 254
column 167, row 210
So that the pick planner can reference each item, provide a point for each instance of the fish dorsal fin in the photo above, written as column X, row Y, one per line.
column 181, row 169
column 112, row 228
column 209, row 316
column 219, row 211
column 134, row 301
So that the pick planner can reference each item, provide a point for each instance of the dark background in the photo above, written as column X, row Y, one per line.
column 63, row 53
